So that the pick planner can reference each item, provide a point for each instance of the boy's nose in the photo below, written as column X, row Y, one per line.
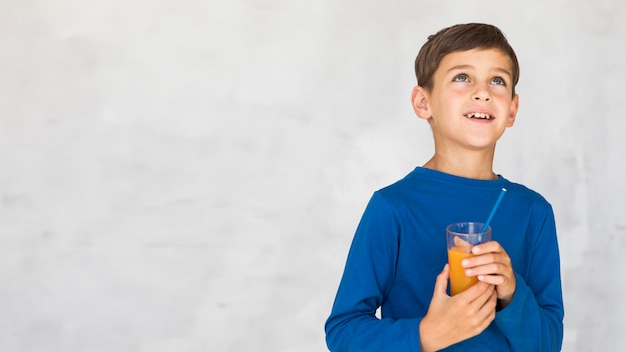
column 482, row 94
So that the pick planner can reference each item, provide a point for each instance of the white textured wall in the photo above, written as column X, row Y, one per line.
column 187, row 175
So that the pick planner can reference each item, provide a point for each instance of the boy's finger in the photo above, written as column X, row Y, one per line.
column 488, row 247
column 476, row 291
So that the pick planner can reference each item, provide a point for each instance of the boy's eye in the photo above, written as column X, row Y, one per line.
column 461, row 78
column 498, row 81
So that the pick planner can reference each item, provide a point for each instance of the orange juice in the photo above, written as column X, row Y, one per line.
column 458, row 281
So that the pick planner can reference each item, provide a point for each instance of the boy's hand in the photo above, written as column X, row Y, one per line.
column 492, row 265
column 453, row 319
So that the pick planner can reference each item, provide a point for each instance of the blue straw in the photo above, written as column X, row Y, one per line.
column 493, row 211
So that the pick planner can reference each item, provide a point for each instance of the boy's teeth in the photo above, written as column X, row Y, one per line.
column 478, row 115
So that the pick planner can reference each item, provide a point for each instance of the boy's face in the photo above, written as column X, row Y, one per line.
column 472, row 102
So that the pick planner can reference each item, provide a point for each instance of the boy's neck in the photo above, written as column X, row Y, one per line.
column 478, row 166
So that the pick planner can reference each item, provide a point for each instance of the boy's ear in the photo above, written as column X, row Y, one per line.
column 419, row 100
column 513, row 111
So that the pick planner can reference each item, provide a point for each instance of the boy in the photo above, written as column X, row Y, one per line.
column 466, row 78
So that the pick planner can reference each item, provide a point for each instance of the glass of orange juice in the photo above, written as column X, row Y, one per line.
column 461, row 237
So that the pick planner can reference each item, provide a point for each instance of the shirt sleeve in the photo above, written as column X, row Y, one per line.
column 533, row 321
column 368, row 276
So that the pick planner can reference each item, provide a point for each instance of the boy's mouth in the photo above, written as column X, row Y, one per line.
column 479, row 115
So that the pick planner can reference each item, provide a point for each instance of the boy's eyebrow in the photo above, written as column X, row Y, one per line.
column 465, row 67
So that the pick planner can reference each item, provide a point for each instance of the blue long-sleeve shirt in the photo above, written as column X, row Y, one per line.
column 400, row 247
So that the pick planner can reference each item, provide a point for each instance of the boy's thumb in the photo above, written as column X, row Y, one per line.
column 441, row 284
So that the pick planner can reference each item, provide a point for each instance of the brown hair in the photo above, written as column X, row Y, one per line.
column 460, row 37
